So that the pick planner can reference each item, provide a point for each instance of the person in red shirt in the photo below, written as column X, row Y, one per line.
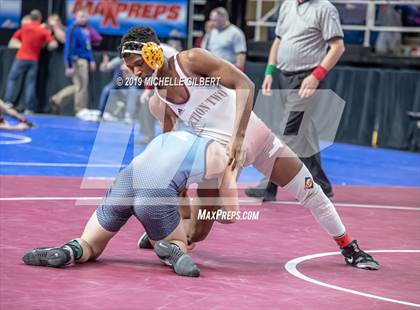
column 29, row 39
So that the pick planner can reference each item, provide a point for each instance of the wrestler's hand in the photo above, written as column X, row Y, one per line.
column 236, row 154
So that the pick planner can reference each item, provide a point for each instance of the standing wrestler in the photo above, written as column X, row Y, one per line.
column 221, row 112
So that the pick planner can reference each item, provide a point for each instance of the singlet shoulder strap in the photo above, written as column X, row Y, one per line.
column 161, row 98
column 178, row 67
column 180, row 73
column 159, row 95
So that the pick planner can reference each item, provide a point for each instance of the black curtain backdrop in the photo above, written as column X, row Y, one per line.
column 372, row 95
column 375, row 98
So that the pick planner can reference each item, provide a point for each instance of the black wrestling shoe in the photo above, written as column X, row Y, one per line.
column 50, row 257
column 171, row 255
column 144, row 242
column 355, row 257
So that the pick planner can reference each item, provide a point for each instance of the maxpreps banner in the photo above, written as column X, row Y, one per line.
column 10, row 13
column 167, row 17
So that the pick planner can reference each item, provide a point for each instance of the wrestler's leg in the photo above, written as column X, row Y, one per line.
column 210, row 198
column 94, row 239
column 172, row 250
column 289, row 173
column 105, row 222
column 112, row 214
column 144, row 241
column 80, row 250
column 184, row 204
column 199, row 228
column 286, row 167
column 166, row 232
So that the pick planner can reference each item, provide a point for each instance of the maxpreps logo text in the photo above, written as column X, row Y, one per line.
column 168, row 18
column 110, row 9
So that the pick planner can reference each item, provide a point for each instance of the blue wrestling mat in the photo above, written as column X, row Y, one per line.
column 64, row 146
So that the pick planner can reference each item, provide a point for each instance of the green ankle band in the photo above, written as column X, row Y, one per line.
column 77, row 249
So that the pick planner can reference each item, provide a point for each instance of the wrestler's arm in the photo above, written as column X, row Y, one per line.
column 165, row 116
column 218, row 168
column 218, row 191
column 201, row 62
column 198, row 229
column 228, row 192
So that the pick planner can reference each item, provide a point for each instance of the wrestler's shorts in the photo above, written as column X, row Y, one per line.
column 156, row 209
column 262, row 146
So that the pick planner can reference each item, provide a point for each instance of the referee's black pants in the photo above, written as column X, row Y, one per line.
column 308, row 143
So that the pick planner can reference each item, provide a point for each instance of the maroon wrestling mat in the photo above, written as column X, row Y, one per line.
column 243, row 266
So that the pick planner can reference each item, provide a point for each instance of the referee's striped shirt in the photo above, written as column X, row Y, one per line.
column 304, row 30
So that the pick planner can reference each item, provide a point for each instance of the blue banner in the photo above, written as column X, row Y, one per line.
column 114, row 17
column 10, row 11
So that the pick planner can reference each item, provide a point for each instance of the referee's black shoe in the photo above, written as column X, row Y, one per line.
column 265, row 189
column 269, row 191
column 356, row 257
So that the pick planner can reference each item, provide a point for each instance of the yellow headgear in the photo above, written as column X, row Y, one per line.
column 153, row 55
column 151, row 52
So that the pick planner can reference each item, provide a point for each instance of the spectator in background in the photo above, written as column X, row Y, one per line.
column 225, row 40
column 78, row 59
column 29, row 39
column 56, row 28
column 203, row 40
column 25, row 19
column 410, row 15
column 389, row 42
column 128, row 95
column 174, row 44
